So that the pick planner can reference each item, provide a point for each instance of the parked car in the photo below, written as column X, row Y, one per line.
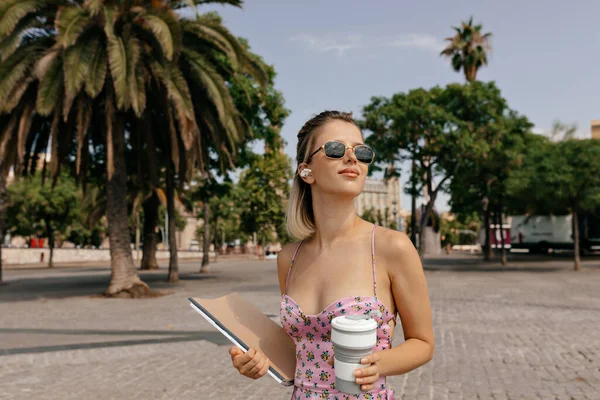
column 194, row 245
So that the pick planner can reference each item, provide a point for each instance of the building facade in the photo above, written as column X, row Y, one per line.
column 382, row 196
column 596, row 129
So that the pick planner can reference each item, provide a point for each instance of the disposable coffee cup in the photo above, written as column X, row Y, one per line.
column 353, row 337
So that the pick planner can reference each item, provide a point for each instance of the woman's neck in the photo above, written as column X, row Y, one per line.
column 335, row 219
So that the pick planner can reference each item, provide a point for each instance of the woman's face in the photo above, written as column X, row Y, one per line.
column 343, row 176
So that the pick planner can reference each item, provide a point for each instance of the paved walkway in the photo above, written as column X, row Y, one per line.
column 527, row 331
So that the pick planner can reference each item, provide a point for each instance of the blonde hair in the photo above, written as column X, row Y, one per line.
column 300, row 218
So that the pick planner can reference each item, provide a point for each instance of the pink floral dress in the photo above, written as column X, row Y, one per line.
column 315, row 378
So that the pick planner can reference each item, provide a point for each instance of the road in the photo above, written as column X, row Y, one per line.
column 527, row 331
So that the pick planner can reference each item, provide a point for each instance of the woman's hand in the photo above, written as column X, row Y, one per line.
column 253, row 363
column 366, row 377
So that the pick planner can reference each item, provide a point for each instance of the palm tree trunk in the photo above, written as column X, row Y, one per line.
column 150, row 207
column 413, row 205
column 173, row 266
column 50, row 233
column 503, row 251
column 424, row 218
column 470, row 73
column 487, row 247
column 124, row 279
column 215, row 235
column 576, row 240
column 205, row 238
column 2, row 217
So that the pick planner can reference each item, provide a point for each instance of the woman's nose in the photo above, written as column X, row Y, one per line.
column 350, row 156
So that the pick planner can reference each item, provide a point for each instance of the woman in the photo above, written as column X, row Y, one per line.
column 343, row 265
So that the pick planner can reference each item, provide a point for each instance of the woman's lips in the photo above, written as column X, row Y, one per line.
column 349, row 172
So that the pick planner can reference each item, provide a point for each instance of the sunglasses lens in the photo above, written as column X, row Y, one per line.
column 364, row 154
column 335, row 149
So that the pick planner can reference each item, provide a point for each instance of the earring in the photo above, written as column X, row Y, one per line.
column 305, row 172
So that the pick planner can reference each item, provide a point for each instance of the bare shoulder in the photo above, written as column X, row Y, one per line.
column 284, row 258
column 397, row 250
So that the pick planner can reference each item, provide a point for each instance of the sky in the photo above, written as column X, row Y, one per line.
column 338, row 54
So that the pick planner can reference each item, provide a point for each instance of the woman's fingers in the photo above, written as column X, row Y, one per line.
column 255, row 358
column 366, row 388
column 259, row 365
column 264, row 369
column 369, row 371
column 252, row 363
column 368, row 379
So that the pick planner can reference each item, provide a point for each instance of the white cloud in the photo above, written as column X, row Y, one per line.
column 418, row 41
column 340, row 43
column 329, row 43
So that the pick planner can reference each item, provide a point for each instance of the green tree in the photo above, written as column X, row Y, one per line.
column 265, row 189
column 558, row 178
column 561, row 131
column 419, row 125
column 36, row 207
column 479, row 184
column 468, row 49
column 369, row 215
column 124, row 61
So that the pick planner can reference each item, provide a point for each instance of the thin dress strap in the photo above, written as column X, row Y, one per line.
column 373, row 260
column 291, row 265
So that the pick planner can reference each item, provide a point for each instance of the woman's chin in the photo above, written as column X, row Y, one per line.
column 346, row 191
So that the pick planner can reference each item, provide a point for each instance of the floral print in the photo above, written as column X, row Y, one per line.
column 315, row 378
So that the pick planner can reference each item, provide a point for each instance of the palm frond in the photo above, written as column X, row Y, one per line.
column 96, row 74
column 94, row 6
column 117, row 59
column 179, row 95
column 49, row 70
column 76, row 66
column 14, row 12
column 24, row 125
column 217, row 34
column 11, row 42
column 6, row 135
column 18, row 66
column 132, row 51
column 70, row 23
column 84, row 116
column 216, row 91
column 176, row 5
column 15, row 96
column 457, row 62
column 140, row 94
column 203, row 32
column 162, row 32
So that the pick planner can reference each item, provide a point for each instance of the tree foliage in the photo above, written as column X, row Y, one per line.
column 559, row 178
column 468, row 49
column 38, row 209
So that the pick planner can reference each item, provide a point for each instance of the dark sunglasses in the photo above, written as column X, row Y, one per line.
column 336, row 150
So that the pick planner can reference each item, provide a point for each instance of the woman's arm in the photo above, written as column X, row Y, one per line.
column 409, row 290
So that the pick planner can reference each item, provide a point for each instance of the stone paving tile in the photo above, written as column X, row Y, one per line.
column 517, row 334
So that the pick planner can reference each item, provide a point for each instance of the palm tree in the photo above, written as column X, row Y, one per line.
column 468, row 49
column 104, row 61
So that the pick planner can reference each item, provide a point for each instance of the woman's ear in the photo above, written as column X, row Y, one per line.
column 305, row 173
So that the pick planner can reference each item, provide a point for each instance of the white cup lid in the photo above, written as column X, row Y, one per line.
column 351, row 323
